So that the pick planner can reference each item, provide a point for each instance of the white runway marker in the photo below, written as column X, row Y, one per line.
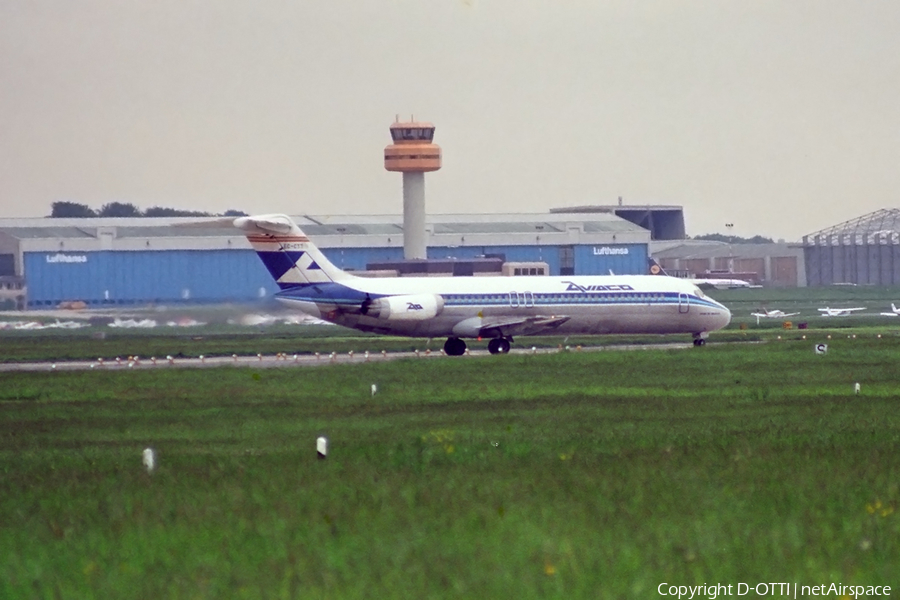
column 322, row 447
column 153, row 360
column 856, row 388
column 234, row 357
column 202, row 359
column 170, row 359
column 149, row 459
column 374, row 390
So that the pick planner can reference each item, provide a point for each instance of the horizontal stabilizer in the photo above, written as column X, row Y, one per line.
column 277, row 224
column 218, row 223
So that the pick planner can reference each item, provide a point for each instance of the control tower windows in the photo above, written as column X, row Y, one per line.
column 412, row 134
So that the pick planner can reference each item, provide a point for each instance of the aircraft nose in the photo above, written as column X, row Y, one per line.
column 724, row 317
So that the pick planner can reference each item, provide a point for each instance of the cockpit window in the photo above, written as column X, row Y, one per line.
column 698, row 292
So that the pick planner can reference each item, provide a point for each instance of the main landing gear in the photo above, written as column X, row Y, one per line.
column 498, row 346
column 457, row 347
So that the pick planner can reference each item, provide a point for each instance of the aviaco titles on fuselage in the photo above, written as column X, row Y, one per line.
column 497, row 308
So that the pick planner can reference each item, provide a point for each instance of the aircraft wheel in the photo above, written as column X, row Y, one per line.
column 700, row 342
column 454, row 347
column 498, row 346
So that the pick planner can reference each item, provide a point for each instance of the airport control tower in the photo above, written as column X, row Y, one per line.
column 413, row 154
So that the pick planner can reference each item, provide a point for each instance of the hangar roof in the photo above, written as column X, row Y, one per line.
column 884, row 221
column 711, row 249
column 328, row 230
column 664, row 221
column 313, row 225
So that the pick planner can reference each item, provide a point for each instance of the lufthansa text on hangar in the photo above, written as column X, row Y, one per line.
column 167, row 260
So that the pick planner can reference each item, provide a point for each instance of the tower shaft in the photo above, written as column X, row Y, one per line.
column 414, row 247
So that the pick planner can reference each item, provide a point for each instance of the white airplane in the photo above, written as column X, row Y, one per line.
column 839, row 312
column 476, row 307
column 703, row 283
column 720, row 284
column 895, row 311
column 772, row 314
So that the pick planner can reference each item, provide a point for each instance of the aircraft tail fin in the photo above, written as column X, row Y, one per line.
column 286, row 251
column 894, row 308
column 654, row 267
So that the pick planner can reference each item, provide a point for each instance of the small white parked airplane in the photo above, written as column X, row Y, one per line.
column 772, row 314
column 704, row 283
column 476, row 307
column 894, row 311
column 839, row 312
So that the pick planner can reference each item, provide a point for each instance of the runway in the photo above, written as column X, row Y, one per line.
column 270, row 361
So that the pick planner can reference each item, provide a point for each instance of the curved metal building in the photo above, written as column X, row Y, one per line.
column 864, row 251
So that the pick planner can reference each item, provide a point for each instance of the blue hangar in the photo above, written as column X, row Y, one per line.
column 107, row 262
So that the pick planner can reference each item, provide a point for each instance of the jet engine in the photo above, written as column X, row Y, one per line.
column 412, row 307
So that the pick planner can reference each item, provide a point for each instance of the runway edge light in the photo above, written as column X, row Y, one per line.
column 149, row 459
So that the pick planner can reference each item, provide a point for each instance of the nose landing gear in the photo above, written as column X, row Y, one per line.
column 700, row 339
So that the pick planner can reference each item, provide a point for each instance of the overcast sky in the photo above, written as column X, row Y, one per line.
column 782, row 117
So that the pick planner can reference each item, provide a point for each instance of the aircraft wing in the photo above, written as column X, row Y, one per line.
column 512, row 326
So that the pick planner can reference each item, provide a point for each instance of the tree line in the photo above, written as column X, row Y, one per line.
column 70, row 210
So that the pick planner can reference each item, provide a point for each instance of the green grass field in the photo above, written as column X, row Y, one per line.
column 571, row 475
